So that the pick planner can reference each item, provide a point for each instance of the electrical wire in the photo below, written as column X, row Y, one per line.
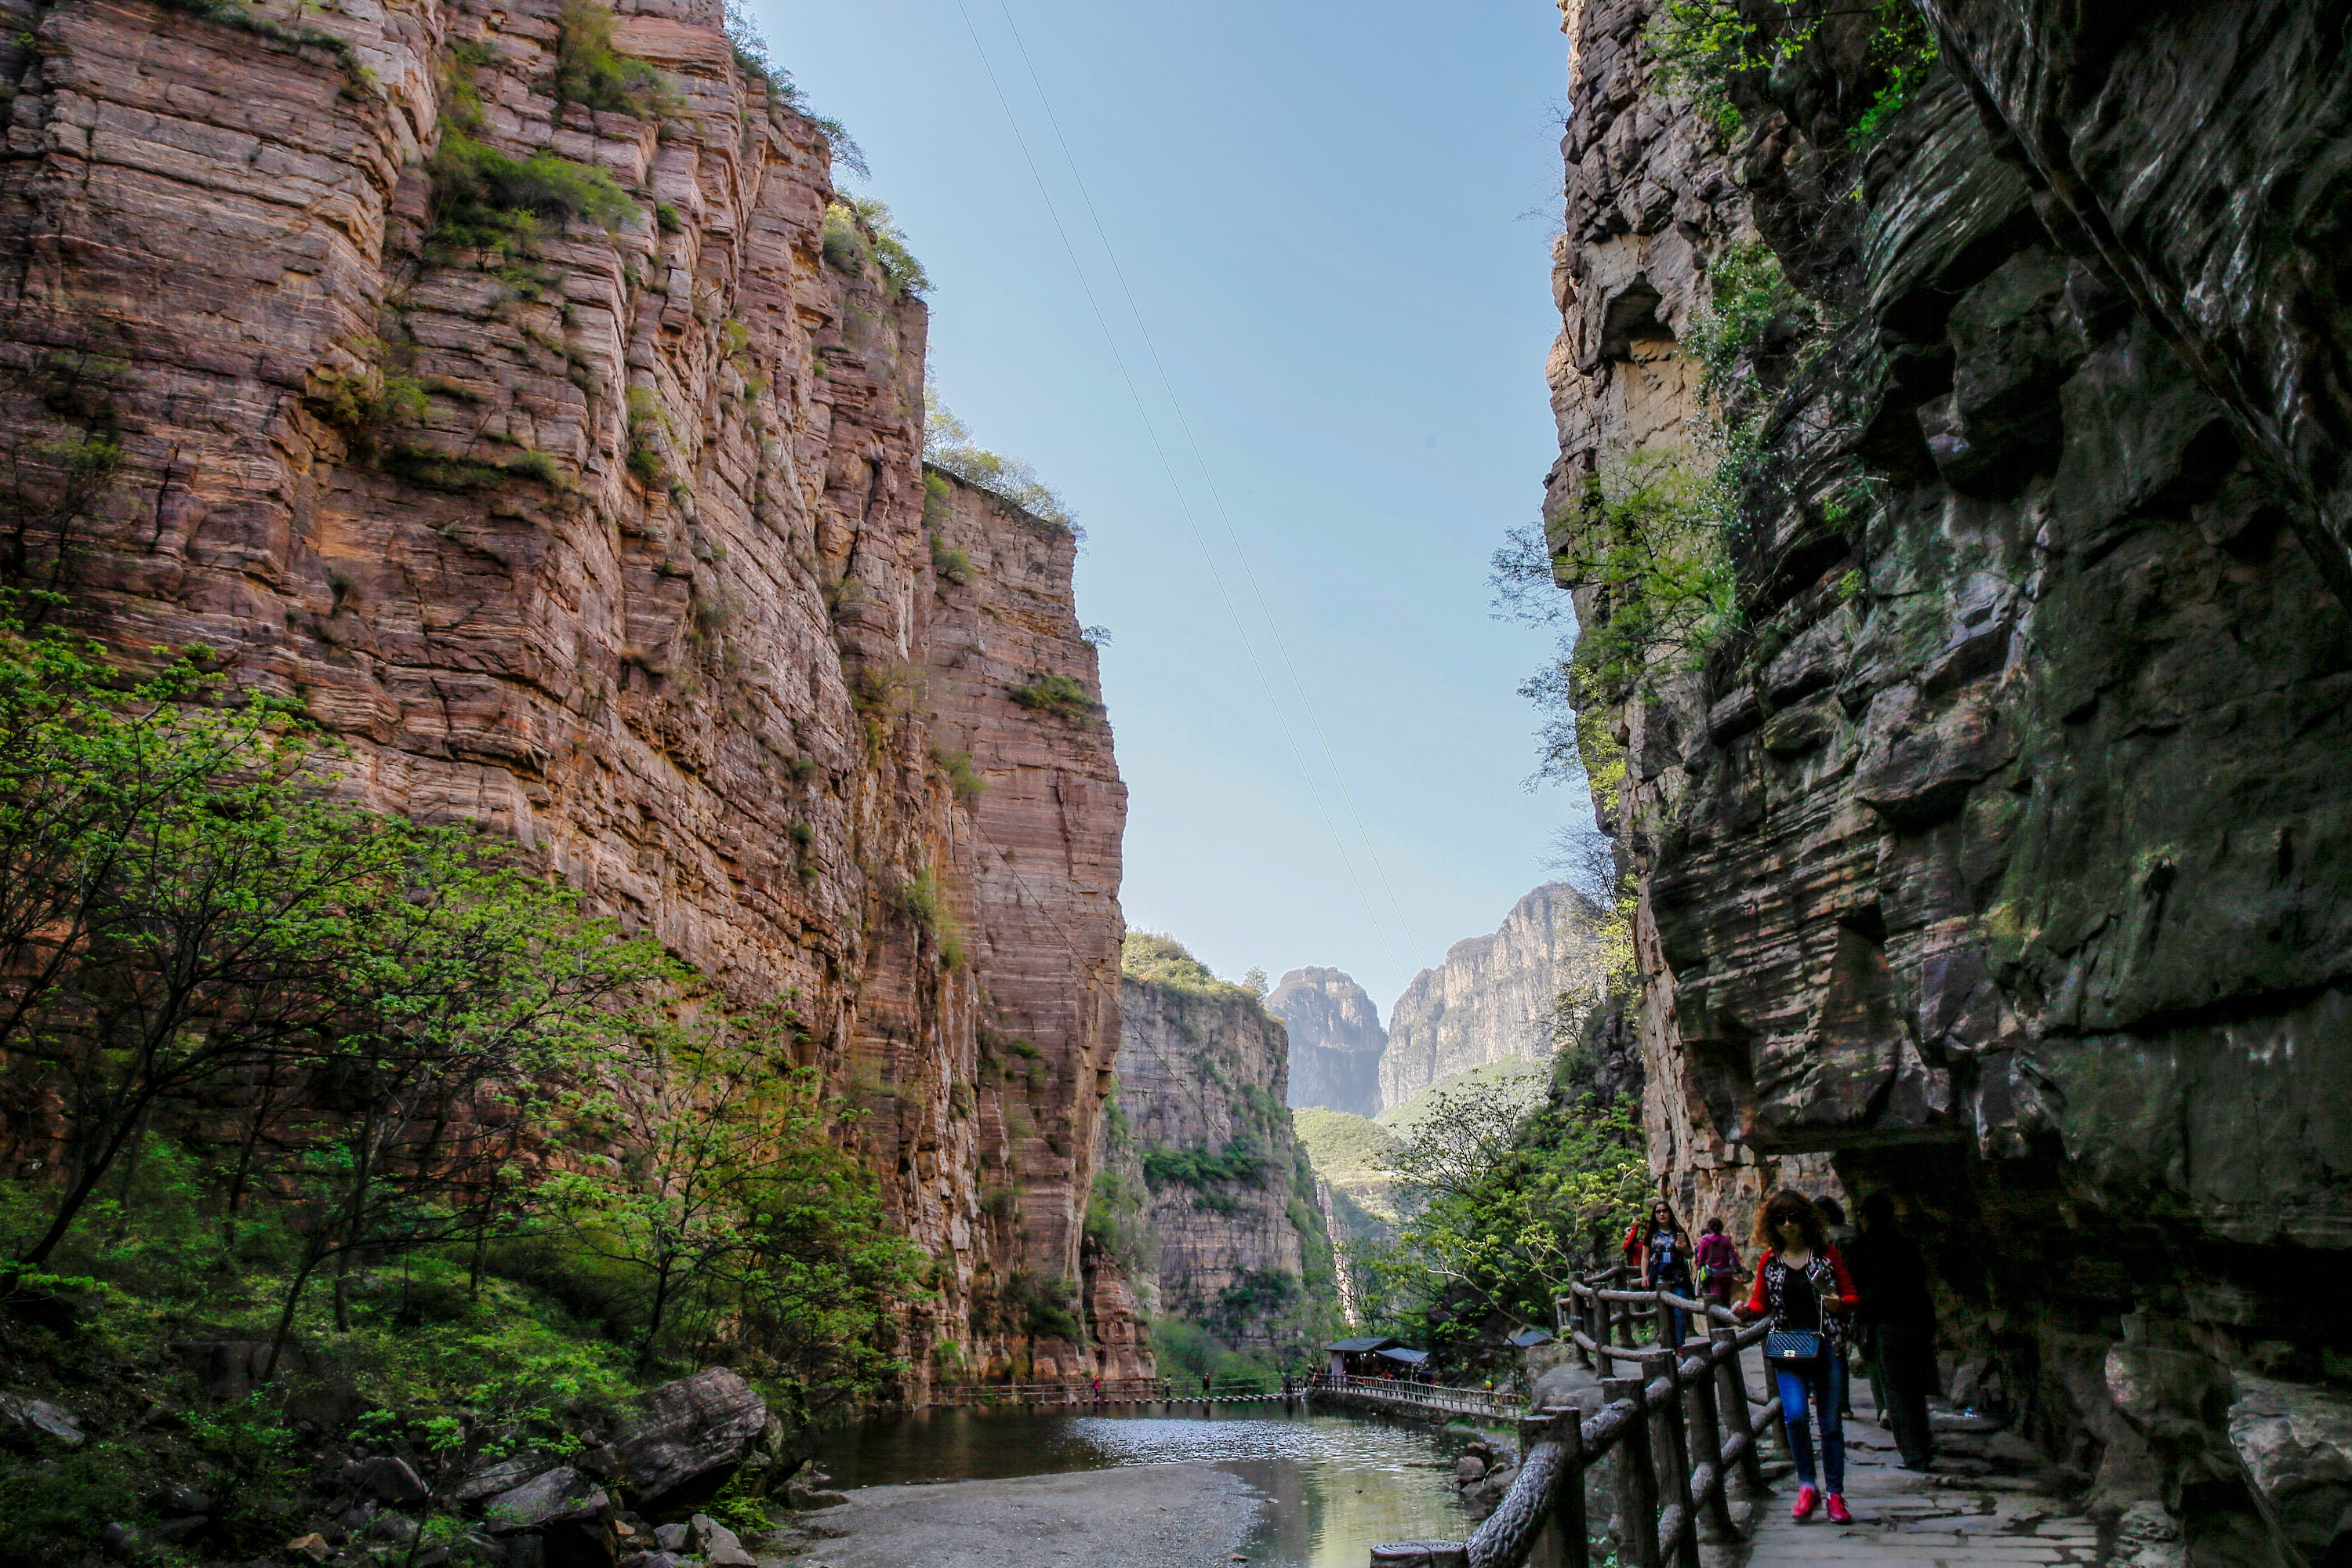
column 1167, row 387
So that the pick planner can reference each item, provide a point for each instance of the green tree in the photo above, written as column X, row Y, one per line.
column 729, row 1201
column 1500, row 1201
column 475, row 987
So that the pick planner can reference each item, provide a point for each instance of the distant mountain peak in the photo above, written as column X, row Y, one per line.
column 1335, row 1039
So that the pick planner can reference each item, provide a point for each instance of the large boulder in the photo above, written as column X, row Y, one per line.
column 686, row 1438
column 561, row 1495
column 2295, row 1442
column 39, row 1419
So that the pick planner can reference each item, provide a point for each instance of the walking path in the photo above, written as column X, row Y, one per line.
column 1964, row 1513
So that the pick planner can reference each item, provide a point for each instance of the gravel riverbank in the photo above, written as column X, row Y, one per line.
column 1136, row 1516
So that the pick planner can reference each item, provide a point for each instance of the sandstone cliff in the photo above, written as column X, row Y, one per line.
column 563, row 462
column 1495, row 997
column 1993, row 845
column 1336, row 1041
column 1241, row 1244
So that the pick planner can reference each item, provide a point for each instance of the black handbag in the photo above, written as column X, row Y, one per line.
column 1793, row 1346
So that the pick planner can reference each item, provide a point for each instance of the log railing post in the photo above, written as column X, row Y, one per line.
column 1670, row 1444
column 1568, row 1497
column 1636, row 1483
column 1731, row 1405
column 1707, row 1438
column 1665, row 1316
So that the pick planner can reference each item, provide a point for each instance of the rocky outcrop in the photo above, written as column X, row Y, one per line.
column 1992, row 850
column 1496, row 997
column 1241, row 1247
column 1336, row 1041
column 607, row 529
column 685, row 1439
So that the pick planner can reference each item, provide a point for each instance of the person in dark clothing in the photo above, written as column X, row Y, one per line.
column 1840, row 1235
column 1665, row 1262
column 1899, row 1318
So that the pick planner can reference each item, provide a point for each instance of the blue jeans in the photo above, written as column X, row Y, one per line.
column 1819, row 1383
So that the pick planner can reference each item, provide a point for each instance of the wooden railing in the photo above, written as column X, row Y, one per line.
column 1679, row 1433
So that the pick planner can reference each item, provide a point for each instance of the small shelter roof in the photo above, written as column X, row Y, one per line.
column 1410, row 1357
column 1527, row 1338
column 1360, row 1345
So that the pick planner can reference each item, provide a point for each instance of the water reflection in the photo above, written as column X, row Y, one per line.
column 1335, row 1485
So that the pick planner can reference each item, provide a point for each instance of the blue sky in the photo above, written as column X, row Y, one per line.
column 1317, row 212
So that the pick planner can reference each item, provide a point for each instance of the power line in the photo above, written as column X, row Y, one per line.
column 1183, row 505
column 1274, row 627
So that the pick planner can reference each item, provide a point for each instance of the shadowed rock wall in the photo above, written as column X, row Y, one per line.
column 1999, row 849
column 711, row 687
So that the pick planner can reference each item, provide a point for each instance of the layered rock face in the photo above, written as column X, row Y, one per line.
column 1495, row 997
column 1998, row 851
column 616, row 540
column 1241, row 1243
column 1336, row 1041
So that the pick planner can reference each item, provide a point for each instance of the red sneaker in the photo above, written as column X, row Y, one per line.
column 1806, row 1497
column 1838, row 1515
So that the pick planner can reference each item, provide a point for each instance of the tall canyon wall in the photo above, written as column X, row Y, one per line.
column 1995, row 850
column 1239, row 1240
column 1493, row 997
column 616, row 540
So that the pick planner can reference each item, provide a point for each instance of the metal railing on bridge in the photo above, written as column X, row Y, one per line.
column 1679, row 1433
column 1488, row 1403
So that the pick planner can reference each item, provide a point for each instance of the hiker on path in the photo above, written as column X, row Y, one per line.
column 1841, row 1236
column 1803, row 1290
column 1897, row 1318
column 1665, row 1262
column 1719, row 1264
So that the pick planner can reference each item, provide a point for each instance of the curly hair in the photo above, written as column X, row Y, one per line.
column 1785, row 1207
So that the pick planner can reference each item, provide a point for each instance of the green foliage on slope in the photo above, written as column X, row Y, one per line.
column 378, row 1098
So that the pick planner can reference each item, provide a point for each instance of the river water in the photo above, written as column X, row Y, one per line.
column 1334, row 1485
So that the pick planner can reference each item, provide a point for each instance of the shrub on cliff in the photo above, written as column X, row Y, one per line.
column 484, row 199
column 861, row 230
column 1706, row 49
column 590, row 71
column 1059, row 695
column 1164, row 962
column 947, row 445
column 1242, row 1162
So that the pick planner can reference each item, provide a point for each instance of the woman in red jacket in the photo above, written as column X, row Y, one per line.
column 1802, row 1286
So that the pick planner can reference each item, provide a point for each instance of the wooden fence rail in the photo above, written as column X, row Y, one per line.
column 1682, row 1434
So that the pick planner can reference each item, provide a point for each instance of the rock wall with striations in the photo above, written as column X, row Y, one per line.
column 1996, row 849
column 614, row 538
column 1336, row 1041
column 1495, row 996
column 1241, row 1243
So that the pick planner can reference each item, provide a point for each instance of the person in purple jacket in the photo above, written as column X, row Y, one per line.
column 1719, row 1264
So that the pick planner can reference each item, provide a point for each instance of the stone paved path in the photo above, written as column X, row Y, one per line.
column 1962, row 1514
